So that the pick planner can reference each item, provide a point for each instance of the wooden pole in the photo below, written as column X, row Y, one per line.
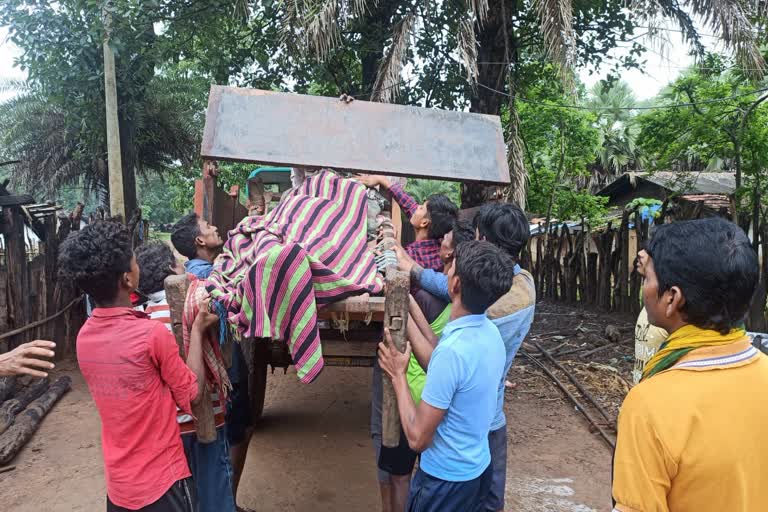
column 396, row 319
column 16, row 266
column 176, row 292
column 116, row 192
column 396, row 302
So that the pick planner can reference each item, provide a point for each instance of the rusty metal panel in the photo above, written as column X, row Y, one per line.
column 250, row 125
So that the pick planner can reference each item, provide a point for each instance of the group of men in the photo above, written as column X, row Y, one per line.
column 690, row 435
column 471, row 307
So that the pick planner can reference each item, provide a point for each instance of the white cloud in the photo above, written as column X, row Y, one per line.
column 664, row 62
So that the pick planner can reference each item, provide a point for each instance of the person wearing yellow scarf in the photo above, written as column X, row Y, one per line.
column 690, row 435
column 684, row 340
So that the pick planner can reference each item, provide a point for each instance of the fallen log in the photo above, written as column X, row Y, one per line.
column 7, row 388
column 15, row 405
column 27, row 422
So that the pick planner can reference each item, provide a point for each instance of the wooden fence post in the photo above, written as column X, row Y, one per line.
column 16, row 266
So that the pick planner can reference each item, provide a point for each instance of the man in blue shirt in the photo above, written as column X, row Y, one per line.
column 505, row 226
column 458, row 405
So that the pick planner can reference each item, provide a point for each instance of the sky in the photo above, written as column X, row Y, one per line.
column 662, row 64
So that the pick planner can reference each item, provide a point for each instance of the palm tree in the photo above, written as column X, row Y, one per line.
column 54, row 151
column 485, row 32
column 618, row 151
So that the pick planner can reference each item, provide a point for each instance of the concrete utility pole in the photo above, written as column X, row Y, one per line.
column 116, row 200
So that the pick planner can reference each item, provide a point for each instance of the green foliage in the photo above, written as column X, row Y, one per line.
column 641, row 202
column 722, row 127
column 179, row 184
column 618, row 149
column 56, row 125
column 422, row 189
column 554, row 174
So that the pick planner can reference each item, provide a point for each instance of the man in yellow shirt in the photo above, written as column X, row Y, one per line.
column 692, row 434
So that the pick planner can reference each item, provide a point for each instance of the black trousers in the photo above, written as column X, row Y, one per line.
column 179, row 498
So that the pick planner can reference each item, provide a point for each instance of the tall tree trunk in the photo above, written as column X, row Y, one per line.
column 139, row 72
column 128, row 150
column 375, row 31
column 492, row 50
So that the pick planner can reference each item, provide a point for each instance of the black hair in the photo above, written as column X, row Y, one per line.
column 184, row 234
column 155, row 260
column 504, row 225
column 485, row 272
column 462, row 232
column 713, row 263
column 442, row 214
column 96, row 257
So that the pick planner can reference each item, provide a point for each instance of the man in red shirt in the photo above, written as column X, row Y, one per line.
column 135, row 375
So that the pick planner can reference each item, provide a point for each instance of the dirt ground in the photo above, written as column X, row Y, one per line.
column 312, row 451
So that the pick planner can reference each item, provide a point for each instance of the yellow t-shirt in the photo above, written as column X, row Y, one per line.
column 693, row 438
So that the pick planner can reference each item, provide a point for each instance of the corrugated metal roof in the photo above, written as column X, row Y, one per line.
column 712, row 201
column 680, row 183
column 695, row 183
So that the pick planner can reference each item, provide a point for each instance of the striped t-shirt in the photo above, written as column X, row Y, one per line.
column 158, row 309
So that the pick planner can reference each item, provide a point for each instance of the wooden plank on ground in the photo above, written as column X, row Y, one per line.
column 251, row 125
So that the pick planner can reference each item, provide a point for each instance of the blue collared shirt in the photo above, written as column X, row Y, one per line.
column 513, row 329
column 462, row 379
column 200, row 268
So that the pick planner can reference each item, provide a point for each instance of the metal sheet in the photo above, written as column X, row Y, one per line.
column 250, row 125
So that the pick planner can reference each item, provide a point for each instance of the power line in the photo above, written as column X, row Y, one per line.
column 581, row 107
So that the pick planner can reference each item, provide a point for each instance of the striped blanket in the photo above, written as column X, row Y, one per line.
column 277, row 270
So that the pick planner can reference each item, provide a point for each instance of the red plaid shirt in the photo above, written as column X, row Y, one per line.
column 424, row 252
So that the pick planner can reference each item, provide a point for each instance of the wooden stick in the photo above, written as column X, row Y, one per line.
column 176, row 293
column 572, row 398
column 40, row 322
column 576, row 383
column 595, row 350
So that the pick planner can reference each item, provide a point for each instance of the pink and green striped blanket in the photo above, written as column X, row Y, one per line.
column 277, row 270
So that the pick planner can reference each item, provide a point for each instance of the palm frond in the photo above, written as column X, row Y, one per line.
column 730, row 19
column 517, row 190
column 359, row 7
column 467, row 46
column 13, row 85
column 556, row 26
column 321, row 28
column 479, row 10
column 289, row 22
column 240, row 10
column 387, row 84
